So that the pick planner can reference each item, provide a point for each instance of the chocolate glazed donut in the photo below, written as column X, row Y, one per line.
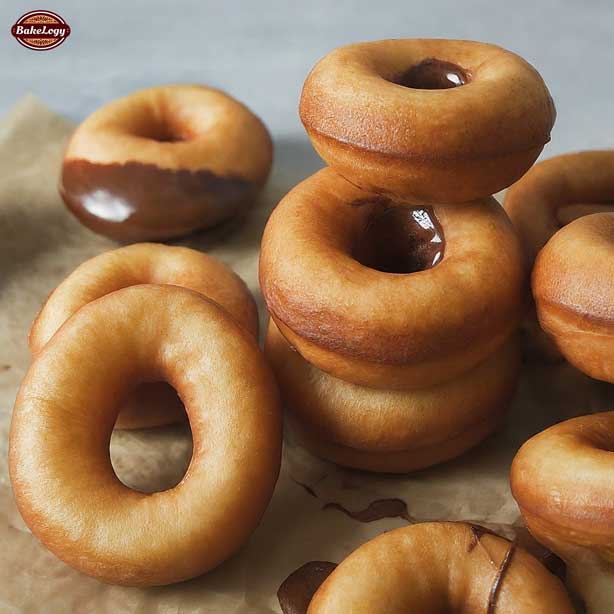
column 440, row 567
column 390, row 297
column 427, row 120
column 163, row 162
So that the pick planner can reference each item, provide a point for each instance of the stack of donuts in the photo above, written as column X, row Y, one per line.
column 394, row 280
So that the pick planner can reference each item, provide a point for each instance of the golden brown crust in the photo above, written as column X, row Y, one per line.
column 142, row 263
column 394, row 137
column 440, row 567
column 384, row 430
column 145, row 333
column 563, row 475
column 454, row 313
column 165, row 161
column 557, row 191
column 574, row 294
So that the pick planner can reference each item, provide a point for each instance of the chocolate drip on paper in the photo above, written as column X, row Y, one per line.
column 297, row 590
column 376, row 510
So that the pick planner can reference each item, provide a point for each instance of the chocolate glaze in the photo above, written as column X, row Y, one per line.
column 433, row 74
column 297, row 590
column 400, row 239
column 136, row 202
column 376, row 510
column 499, row 578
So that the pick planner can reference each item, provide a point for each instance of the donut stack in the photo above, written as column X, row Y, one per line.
column 394, row 281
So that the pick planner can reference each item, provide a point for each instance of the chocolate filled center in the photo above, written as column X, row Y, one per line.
column 401, row 240
column 433, row 74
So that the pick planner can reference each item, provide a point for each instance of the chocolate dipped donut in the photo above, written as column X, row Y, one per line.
column 390, row 296
column 573, row 288
column 388, row 430
column 427, row 120
column 557, row 191
column 562, row 481
column 163, row 162
column 440, row 567
column 151, row 404
column 60, row 468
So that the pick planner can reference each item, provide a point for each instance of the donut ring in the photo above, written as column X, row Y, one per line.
column 57, row 450
column 164, row 162
column 392, row 431
column 380, row 328
column 558, row 191
column 440, row 567
column 574, row 293
column 388, row 116
column 562, row 481
column 153, row 404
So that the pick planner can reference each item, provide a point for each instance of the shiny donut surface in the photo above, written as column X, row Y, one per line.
column 389, row 296
column 573, row 288
column 428, row 120
column 440, row 567
column 163, row 162
column 388, row 430
column 557, row 191
column 563, row 476
column 143, row 263
column 65, row 411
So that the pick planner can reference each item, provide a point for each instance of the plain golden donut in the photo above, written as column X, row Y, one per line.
column 432, row 567
column 61, row 473
column 562, row 481
column 145, row 263
column 573, row 288
column 427, row 120
column 557, row 191
column 388, row 430
column 389, row 296
column 165, row 161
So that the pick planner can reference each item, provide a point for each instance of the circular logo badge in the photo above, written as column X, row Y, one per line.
column 40, row 30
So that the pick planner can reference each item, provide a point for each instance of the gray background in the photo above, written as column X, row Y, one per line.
column 261, row 51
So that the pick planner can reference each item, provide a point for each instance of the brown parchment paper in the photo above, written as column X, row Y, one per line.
column 41, row 243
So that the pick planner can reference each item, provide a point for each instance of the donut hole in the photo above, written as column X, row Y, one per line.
column 151, row 459
column 163, row 128
column 433, row 74
column 400, row 240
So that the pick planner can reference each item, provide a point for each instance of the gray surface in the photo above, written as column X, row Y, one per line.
column 261, row 52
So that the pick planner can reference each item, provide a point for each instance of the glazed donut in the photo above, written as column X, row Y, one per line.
column 427, row 120
column 574, row 293
column 65, row 411
column 440, row 567
column 392, row 431
column 562, row 481
column 163, row 162
column 557, row 191
column 390, row 297
column 156, row 403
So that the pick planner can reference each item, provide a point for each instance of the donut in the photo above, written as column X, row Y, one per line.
column 562, row 481
column 387, row 430
column 558, row 191
column 164, row 162
column 574, row 293
column 427, row 120
column 440, row 567
column 390, row 296
column 60, row 470
column 152, row 404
